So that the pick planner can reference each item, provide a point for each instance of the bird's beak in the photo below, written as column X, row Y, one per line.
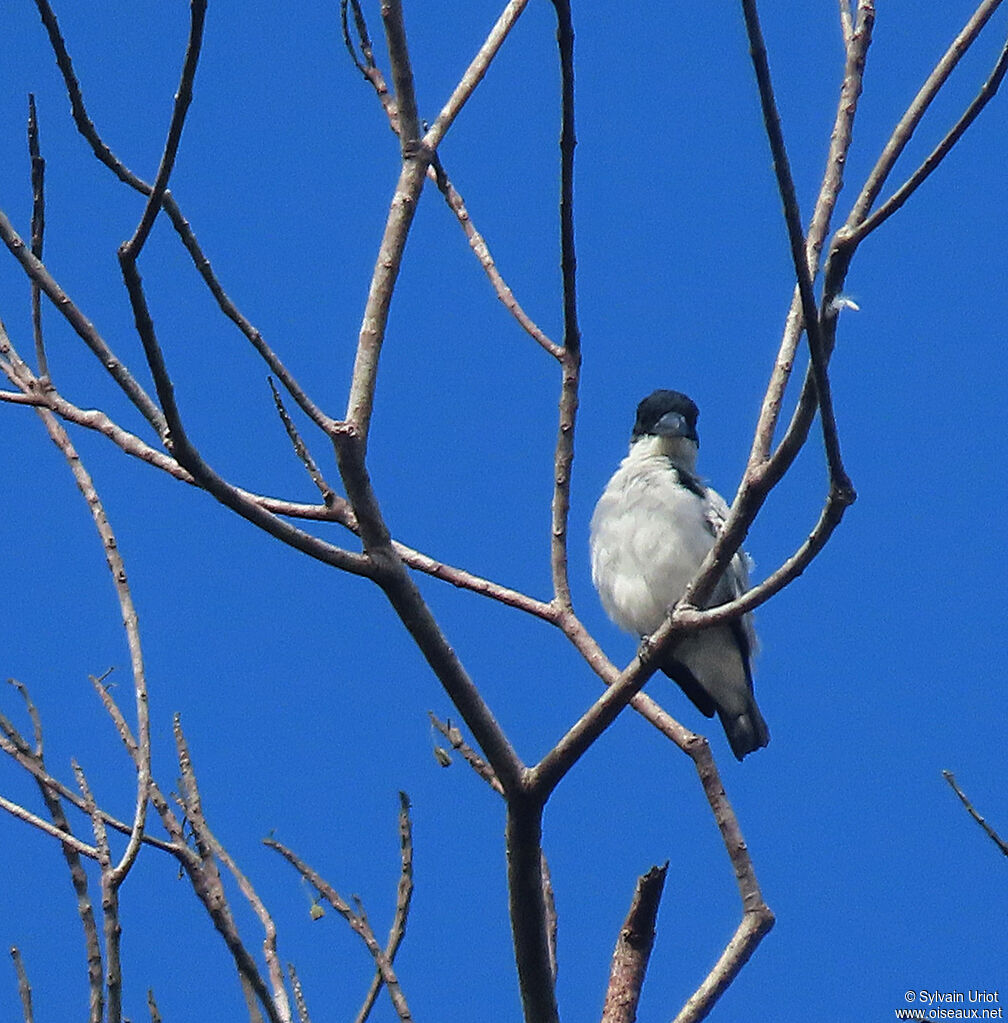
column 672, row 424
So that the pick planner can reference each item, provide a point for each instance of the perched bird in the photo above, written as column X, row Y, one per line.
column 653, row 525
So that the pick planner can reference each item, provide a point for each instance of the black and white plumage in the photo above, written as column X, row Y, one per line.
column 653, row 525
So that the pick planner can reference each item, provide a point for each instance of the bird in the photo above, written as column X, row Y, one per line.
column 653, row 526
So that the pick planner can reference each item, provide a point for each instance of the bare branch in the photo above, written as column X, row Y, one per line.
column 438, row 174
column 202, row 263
column 112, row 929
column 16, row 748
column 152, row 1008
column 845, row 241
column 117, row 568
column 792, row 216
column 987, row 92
column 50, row 829
column 989, row 831
column 368, row 63
column 183, row 97
column 33, row 716
column 546, row 908
column 300, row 448
column 763, row 472
column 752, row 493
column 481, row 250
column 471, row 757
column 37, row 231
column 908, row 123
column 846, row 22
column 404, row 895
column 84, row 123
column 276, row 973
column 200, row 867
column 416, row 158
column 633, row 949
column 188, row 456
column 829, row 192
column 32, row 760
column 357, row 921
column 81, row 325
column 531, row 924
column 738, row 952
column 87, row 129
column 571, row 362
column 757, row 917
column 24, row 987
column 299, row 999
column 390, row 574
column 338, row 511
column 786, row 573
column 478, row 67
column 210, row 847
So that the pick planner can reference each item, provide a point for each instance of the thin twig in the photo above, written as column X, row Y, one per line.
column 84, row 123
column 33, row 716
column 367, row 51
column 187, row 455
column 829, row 192
column 473, row 75
column 416, row 158
column 471, row 757
column 299, row 999
column 201, row 867
column 481, row 250
column 50, row 829
column 24, row 987
column 438, row 174
column 357, row 921
column 48, row 783
column 300, row 448
column 112, row 928
column 227, row 306
column 37, row 231
column 737, row 953
column 796, row 237
column 908, row 123
column 101, row 150
column 183, row 97
column 32, row 759
column 563, row 457
column 152, row 1008
column 81, row 325
column 784, row 574
column 988, row 830
column 987, row 92
column 130, row 621
column 210, row 846
column 404, row 895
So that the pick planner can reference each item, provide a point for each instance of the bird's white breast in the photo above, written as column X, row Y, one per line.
column 649, row 535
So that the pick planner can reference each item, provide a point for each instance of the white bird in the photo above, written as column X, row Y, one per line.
column 653, row 525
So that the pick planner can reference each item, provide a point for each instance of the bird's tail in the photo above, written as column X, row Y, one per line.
column 746, row 731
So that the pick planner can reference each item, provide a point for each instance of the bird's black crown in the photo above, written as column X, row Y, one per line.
column 655, row 407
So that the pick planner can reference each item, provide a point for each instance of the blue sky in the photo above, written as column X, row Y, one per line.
column 304, row 702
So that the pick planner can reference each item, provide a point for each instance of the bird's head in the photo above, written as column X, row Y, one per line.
column 666, row 425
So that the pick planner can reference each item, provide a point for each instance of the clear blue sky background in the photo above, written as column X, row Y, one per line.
column 304, row 702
